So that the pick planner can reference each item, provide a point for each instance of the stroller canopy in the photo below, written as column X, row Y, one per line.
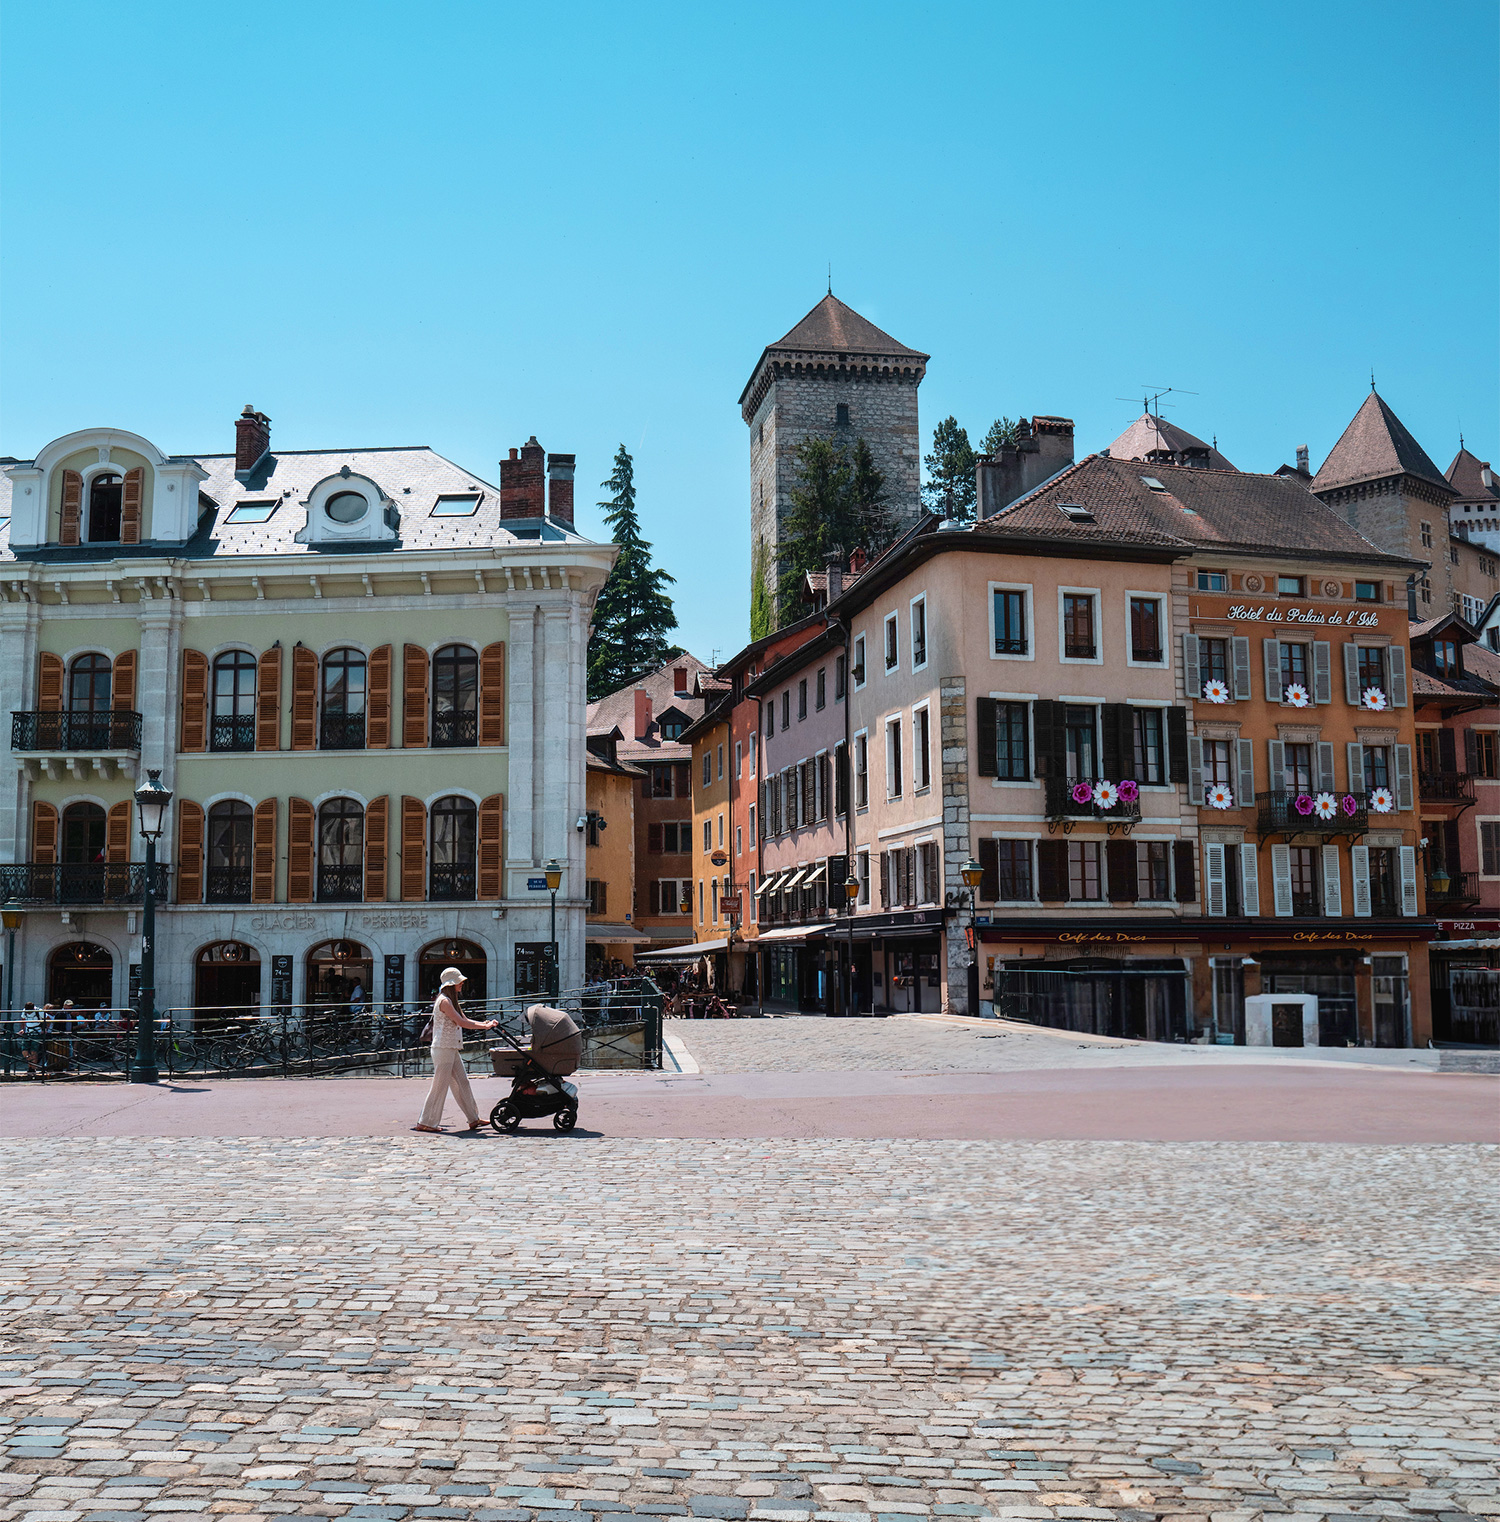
column 556, row 1046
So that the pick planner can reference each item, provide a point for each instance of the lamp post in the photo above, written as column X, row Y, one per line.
column 554, row 873
column 973, row 874
column 851, row 893
column 11, row 914
column 151, row 800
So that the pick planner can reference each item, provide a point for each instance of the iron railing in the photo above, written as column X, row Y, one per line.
column 237, row 732
column 228, row 885
column 1079, row 651
column 1460, row 888
column 341, row 885
column 455, row 729
column 1279, row 811
column 122, row 882
column 1446, row 787
column 452, row 884
column 108, row 730
column 342, row 731
column 1061, row 804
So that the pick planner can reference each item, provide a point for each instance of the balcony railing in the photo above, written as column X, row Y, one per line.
column 109, row 730
column 1446, row 787
column 1279, row 812
column 453, row 884
column 1061, row 803
column 1147, row 654
column 228, row 885
column 121, row 882
column 1079, row 651
column 1458, row 888
column 342, row 731
column 234, row 733
column 450, row 730
column 341, row 885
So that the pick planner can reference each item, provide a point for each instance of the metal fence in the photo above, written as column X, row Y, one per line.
column 621, row 1024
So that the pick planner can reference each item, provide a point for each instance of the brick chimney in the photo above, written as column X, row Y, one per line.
column 1044, row 448
column 680, row 681
column 560, row 487
column 523, row 489
column 252, row 438
column 642, row 713
column 857, row 563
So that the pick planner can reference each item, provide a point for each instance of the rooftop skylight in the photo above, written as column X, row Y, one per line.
column 252, row 512
column 457, row 505
column 1076, row 511
column 1153, row 483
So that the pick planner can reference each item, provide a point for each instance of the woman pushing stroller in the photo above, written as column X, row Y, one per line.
column 448, row 1025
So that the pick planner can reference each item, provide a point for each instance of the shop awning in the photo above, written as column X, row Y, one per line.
column 771, row 885
column 791, row 933
column 816, row 875
column 795, row 880
column 615, row 935
column 683, row 953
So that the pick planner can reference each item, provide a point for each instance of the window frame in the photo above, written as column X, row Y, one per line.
column 1028, row 620
column 921, row 758
column 860, row 771
column 917, row 613
column 1163, row 634
column 1096, row 597
column 893, row 759
column 1030, row 843
column 890, row 646
column 1203, row 573
column 1297, row 589
column 859, row 671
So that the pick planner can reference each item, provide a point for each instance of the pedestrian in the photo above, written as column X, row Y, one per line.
column 357, row 999
column 448, row 1025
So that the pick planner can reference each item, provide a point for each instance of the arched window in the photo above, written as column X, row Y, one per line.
column 343, row 725
column 234, row 701
column 105, row 494
column 455, row 840
column 231, row 828
column 83, row 831
column 90, row 682
column 464, row 955
column 455, row 696
column 341, row 852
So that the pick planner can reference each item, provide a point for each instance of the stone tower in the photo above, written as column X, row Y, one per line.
column 837, row 375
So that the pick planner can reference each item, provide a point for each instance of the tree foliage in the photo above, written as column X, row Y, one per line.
column 949, row 488
column 633, row 614
column 1003, row 430
column 762, row 605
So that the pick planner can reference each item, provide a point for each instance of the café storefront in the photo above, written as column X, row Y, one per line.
column 1465, row 961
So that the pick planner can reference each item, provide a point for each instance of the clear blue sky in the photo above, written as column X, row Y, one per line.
column 463, row 223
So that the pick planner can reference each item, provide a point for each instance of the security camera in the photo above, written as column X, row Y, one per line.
column 583, row 823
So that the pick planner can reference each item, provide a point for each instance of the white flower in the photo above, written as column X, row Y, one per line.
column 1220, row 797
column 1215, row 691
column 1325, row 805
column 1105, row 795
column 1382, row 801
column 1373, row 698
column 1296, row 695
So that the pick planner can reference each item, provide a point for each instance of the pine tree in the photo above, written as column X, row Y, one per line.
column 1003, row 430
column 949, row 488
column 633, row 615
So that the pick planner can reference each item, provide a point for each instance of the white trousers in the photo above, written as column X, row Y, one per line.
column 448, row 1075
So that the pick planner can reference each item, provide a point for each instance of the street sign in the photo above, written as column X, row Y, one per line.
column 537, row 884
column 720, row 858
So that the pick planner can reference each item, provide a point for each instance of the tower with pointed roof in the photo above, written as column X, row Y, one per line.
column 837, row 375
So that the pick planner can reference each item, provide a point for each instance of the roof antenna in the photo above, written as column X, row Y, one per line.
column 1372, row 377
column 830, row 278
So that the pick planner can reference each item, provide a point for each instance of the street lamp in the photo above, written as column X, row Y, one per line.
column 851, row 893
column 973, row 874
column 151, row 801
column 11, row 914
column 554, row 871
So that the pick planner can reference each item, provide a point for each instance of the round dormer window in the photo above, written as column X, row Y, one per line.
column 347, row 507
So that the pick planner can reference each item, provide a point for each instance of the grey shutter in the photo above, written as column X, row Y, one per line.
column 985, row 710
column 1245, row 782
column 1249, row 879
column 1191, row 685
column 1333, row 893
column 1272, row 651
column 1408, row 881
column 1351, row 675
column 1240, row 666
column 1322, row 671
column 1404, row 795
column 1213, row 877
column 1356, row 754
column 1281, row 880
column 1395, row 665
column 1359, row 861
column 1276, row 765
column 1326, row 783
column 1195, row 771
column 1471, row 752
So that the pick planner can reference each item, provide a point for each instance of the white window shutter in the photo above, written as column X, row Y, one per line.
column 1276, row 762
column 1322, row 671
column 1281, row 880
column 1249, row 879
column 1405, row 798
column 1408, row 881
column 1245, row 781
column 1333, row 893
column 1240, row 649
column 1272, row 651
column 1326, row 781
column 1213, row 876
column 1191, row 686
column 1356, row 754
column 1359, row 862
column 1195, row 770
column 1351, row 675
column 1395, row 663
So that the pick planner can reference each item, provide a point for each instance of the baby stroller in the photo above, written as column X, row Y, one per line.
column 537, row 1072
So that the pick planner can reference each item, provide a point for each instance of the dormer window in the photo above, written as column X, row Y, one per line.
column 347, row 506
column 105, row 494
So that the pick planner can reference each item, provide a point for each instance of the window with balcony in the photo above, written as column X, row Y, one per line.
column 1078, row 626
column 1377, row 767
column 90, row 721
column 83, row 833
column 1298, row 761
column 343, row 720
column 90, row 684
column 231, row 830
column 454, row 849
column 233, row 725
column 1010, row 623
column 341, row 852
column 1145, row 629
column 1150, row 757
column 455, row 697
column 1080, row 731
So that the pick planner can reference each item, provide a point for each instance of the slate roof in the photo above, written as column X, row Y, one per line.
column 1149, row 434
column 617, row 709
column 1375, row 445
column 832, row 327
column 1463, row 476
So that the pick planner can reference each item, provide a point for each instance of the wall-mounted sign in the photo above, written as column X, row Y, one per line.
column 1243, row 613
column 537, row 884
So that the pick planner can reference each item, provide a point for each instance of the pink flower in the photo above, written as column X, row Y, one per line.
column 1129, row 791
column 1082, row 793
column 1350, row 805
column 1304, row 804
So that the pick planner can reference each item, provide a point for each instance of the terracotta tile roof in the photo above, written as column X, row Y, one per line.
column 1375, row 445
column 1482, row 662
column 1464, row 477
column 835, row 328
column 617, row 709
column 1151, row 435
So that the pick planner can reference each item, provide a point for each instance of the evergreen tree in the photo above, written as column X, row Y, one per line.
column 633, row 615
column 838, row 504
column 949, row 488
column 1003, row 430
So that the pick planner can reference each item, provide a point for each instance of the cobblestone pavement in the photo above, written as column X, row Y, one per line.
column 384, row 1328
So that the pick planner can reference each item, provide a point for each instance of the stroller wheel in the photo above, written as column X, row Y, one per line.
column 505, row 1117
column 565, row 1119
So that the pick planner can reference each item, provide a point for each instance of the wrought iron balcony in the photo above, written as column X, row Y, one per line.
column 342, row 731
column 1446, row 787
column 228, row 885
column 341, row 885
column 450, row 730
column 1061, row 804
column 451, row 884
column 68, row 884
column 1079, row 651
column 1458, row 888
column 1279, row 813
column 118, row 729
column 234, row 733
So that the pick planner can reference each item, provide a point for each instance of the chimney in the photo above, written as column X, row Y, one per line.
column 1044, row 448
column 857, row 563
column 523, row 482
column 560, row 469
column 680, row 681
column 835, row 565
column 642, row 713
column 1302, row 460
column 252, row 438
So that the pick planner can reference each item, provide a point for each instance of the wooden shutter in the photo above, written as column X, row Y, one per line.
column 377, row 847
column 1120, row 862
column 1115, row 719
column 1322, row 671
column 193, row 732
column 1447, row 752
column 304, row 700
column 492, row 694
column 985, row 710
column 1395, row 663
column 683, row 780
column 263, row 870
column 413, row 849
column 1326, row 781
column 299, row 851
column 1244, row 782
column 1351, row 675
column 1408, row 881
column 1240, row 667
column 1281, row 880
column 1185, row 871
column 1276, row 766
column 1405, row 798
column 1213, row 877
column 414, row 696
column 49, row 683
column 117, row 830
column 1052, row 870
column 124, row 682
column 268, row 702
column 131, row 496
column 989, row 859
column 1195, row 771
column 72, row 507
column 1333, row 893
column 653, row 898
column 43, row 833
column 189, row 851
column 1177, row 745
column 1471, row 752
column 1249, row 880
column 1271, row 649
column 653, row 839
column 1050, row 739
column 378, row 708
column 1191, row 685
column 1359, row 862
column 1355, row 754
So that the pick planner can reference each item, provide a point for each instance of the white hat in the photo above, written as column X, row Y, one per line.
column 451, row 975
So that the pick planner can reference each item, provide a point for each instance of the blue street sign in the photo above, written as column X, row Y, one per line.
column 537, row 883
